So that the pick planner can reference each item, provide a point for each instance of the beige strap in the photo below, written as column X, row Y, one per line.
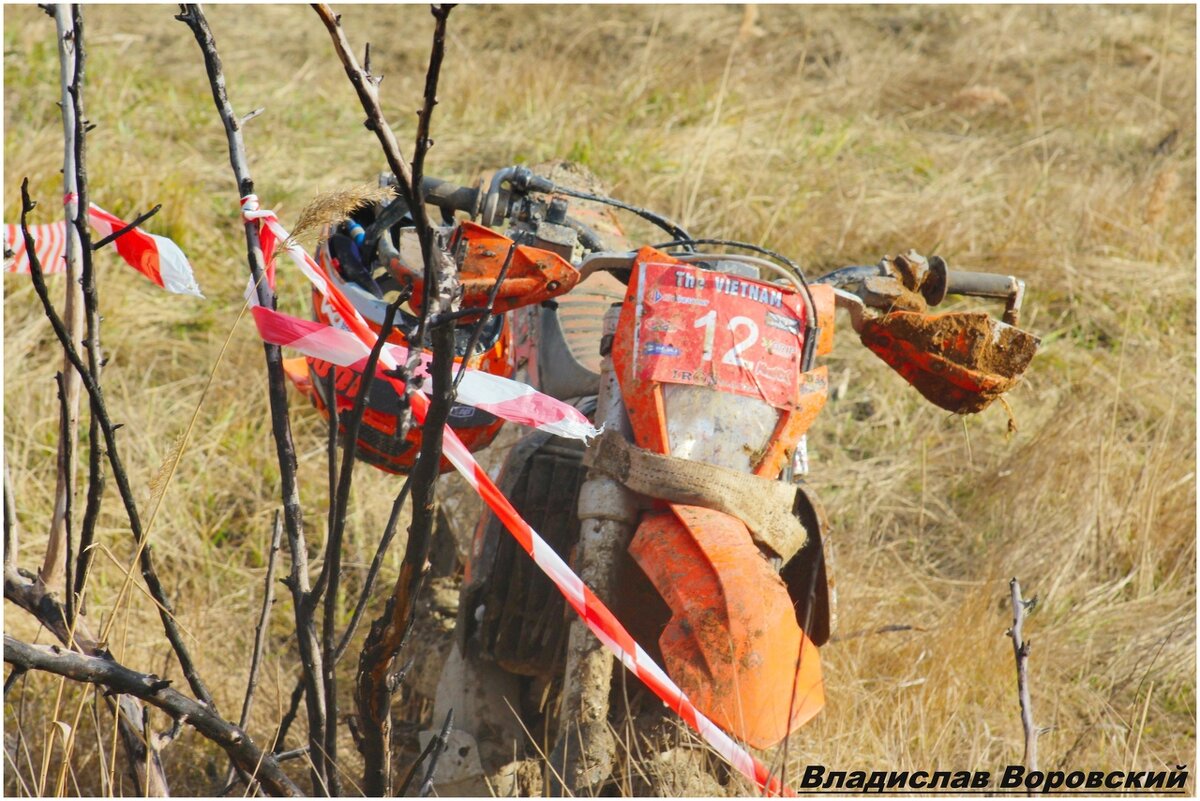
column 765, row 506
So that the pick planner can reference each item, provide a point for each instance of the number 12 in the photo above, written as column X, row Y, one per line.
column 733, row 356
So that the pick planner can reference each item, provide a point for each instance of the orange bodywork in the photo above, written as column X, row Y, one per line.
column 733, row 642
column 644, row 399
column 960, row 361
column 533, row 276
column 378, row 443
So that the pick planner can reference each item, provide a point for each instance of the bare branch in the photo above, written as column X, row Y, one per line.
column 389, row 532
column 264, row 618
column 377, row 662
column 154, row 691
column 67, row 456
column 1021, row 654
column 91, row 310
column 11, row 531
column 341, row 495
column 368, row 95
column 70, row 69
column 146, row 765
column 364, row 596
column 95, row 395
column 251, row 115
column 290, row 716
column 433, row 749
column 310, row 652
column 442, row 740
column 115, row 235
column 331, row 571
column 260, row 631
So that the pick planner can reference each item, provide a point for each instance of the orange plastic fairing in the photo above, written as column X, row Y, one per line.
column 733, row 642
column 534, row 275
column 961, row 361
column 378, row 442
column 644, row 399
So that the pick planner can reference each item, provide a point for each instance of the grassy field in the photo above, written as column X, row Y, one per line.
column 1055, row 143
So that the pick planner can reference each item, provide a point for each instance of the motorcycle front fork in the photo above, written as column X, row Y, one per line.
column 584, row 751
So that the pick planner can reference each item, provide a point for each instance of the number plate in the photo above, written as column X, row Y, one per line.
column 730, row 333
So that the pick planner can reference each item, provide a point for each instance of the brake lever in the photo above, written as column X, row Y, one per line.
column 610, row 261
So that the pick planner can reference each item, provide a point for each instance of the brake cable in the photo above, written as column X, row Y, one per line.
column 524, row 180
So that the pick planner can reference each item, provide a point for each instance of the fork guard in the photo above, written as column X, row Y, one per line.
column 733, row 643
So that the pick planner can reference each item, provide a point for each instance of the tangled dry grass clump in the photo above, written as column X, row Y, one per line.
column 329, row 208
column 1054, row 143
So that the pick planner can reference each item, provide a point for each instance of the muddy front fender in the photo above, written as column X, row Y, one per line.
column 733, row 643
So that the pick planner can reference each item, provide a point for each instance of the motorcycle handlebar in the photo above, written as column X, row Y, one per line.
column 981, row 285
column 1008, row 288
column 450, row 196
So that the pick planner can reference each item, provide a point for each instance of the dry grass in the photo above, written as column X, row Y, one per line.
column 329, row 208
column 1057, row 143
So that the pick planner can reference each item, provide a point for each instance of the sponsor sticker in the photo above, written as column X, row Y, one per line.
column 727, row 332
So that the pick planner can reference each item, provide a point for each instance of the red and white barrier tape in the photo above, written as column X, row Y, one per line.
column 507, row 399
column 155, row 257
column 49, row 244
column 595, row 614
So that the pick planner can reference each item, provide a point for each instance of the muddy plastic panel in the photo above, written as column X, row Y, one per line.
column 960, row 361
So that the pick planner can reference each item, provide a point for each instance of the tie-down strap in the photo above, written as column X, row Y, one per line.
column 772, row 510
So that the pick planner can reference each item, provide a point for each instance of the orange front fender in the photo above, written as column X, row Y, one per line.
column 733, row 643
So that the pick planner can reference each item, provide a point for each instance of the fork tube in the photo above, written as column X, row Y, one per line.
column 584, row 750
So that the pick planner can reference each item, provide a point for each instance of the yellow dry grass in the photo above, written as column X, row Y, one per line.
column 1056, row 143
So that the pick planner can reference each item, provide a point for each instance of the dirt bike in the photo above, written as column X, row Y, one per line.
column 690, row 516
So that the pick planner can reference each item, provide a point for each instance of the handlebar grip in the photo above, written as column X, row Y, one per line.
column 981, row 285
column 450, row 196
column 989, row 285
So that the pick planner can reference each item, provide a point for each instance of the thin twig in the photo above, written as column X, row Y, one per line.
column 67, row 451
column 408, row 179
column 260, row 630
column 306, row 635
column 157, row 693
column 442, row 740
column 1021, row 654
column 13, row 675
column 364, row 596
column 439, row 743
column 285, row 723
column 331, row 571
column 389, row 532
column 441, row 277
column 69, row 56
column 284, row 756
column 12, row 537
column 339, row 500
column 91, row 306
column 115, row 235
column 264, row 619
column 368, row 94
column 376, row 676
column 166, row 615
column 91, row 313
